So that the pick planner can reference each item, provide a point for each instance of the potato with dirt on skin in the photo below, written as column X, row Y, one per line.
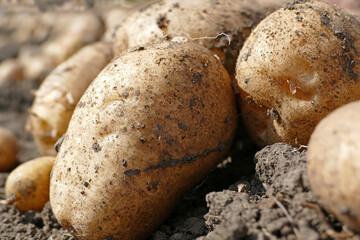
column 27, row 186
column 9, row 148
column 58, row 95
column 221, row 26
column 333, row 163
column 152, row 124
column 297, row 65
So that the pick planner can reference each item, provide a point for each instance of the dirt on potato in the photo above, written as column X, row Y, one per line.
column 253, row 194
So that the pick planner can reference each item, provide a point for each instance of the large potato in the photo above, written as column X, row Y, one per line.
column 210, row 23
column 149, row 127
column 333, row 163
column 296, row 67
column 60, row 92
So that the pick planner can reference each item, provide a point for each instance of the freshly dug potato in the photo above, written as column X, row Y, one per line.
column 296, row 67
column 9, row 148
column 58, row 95
column 210, row 23
column 152, row 124
column 27, row 186
column 333, row 163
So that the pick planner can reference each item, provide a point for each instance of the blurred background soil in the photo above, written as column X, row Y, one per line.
column 253, row 194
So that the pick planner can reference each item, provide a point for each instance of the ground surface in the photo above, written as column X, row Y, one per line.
column 252, row 195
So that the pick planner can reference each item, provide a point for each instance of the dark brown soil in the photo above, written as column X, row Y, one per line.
column 252, row 195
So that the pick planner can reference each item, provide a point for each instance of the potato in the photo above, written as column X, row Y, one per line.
column 295, row 68
column 152, row 124
column 333, row 163
column 210, row 23
column 69, row 32
column 37, row 66
column 58, row 95
column 9, row 148
column 81, row 30
column 27, row 186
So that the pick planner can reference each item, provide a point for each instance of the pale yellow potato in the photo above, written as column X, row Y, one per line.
column 75, row 32
column 152, row 125
column 333, row 163
column 221, row 26
column 58, row 95
column 298, row 65
column 9, row 148
column 27, row 186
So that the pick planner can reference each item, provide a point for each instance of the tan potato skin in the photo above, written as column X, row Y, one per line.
column 333, row 163
column 296, row 67
column 149, row 128
column 9, row 148
column 75, row 32
column 28, row 184
column 113, row 18
column 58, row 95
column 200, row 21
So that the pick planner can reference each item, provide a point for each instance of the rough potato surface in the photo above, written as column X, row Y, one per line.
column 155, row 121
column 333, row 163
column 58, row 95
column 28, row 184
column 200, row 21
column 299, row 64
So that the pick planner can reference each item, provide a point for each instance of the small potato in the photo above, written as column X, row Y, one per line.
column 58, row 95
column 9, row 148
column 333, row 163
column 297, row 66
column 152, row 125
column 27, row 186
